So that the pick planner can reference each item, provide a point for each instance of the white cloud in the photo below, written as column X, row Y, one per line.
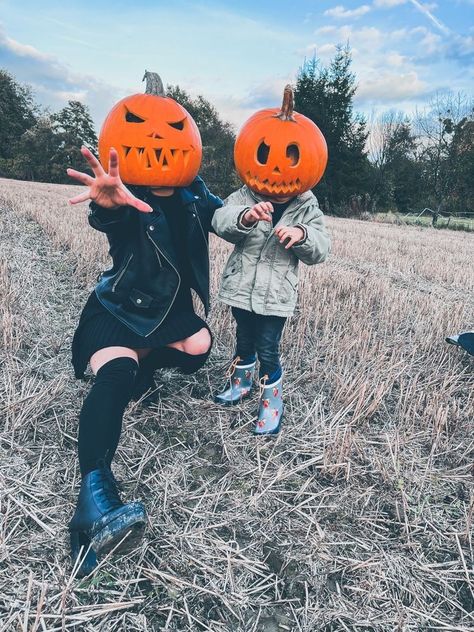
column 321, row 51
column 388, row 3
column 395, row 59
column 391, row 87
column 52, row 81
column 364, row 38
column 341, row 12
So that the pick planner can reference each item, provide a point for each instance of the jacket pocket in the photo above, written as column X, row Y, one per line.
column 232, row 273
column 289, row 288
column 140, row 299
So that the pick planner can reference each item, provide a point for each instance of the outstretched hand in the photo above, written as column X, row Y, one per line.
column 105, row 189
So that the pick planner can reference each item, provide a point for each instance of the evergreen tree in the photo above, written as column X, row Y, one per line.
column 17, row 114
column 325, row 95
column 52, row 144
column 73, row 127
column 218, row 139
column 37, row 150
column 403, row 169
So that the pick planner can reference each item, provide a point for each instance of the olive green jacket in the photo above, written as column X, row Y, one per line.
column 260, row 275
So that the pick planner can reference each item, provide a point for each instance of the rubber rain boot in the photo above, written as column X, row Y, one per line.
column 239, row 383
column 270, row 410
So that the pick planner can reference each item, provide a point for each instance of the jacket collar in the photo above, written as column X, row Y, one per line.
column 295, row 202
column 187, row 194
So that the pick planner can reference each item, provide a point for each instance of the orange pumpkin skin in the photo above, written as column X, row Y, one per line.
column 280, row 153
column 157, row 140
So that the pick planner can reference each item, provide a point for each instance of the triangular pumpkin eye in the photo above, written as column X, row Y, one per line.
column 178, row 124
column 130, row 117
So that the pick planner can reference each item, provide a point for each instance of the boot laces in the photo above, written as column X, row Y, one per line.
column 233, row 366
column 262, row 384
column 110, row 488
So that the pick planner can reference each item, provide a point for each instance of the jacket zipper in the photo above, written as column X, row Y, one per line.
column 179, row 282
column 202, row 229
column 207, row 247
column 117, row 280
column 158, row 257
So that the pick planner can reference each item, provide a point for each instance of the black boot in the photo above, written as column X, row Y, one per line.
column 102, row 519
column 81, row 550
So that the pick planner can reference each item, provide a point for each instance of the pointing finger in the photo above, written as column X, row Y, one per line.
column 93, row 162
column 113, row 163
column 139, row 204
column 82, row 177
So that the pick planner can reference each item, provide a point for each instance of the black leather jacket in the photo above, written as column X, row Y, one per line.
column 143, row 282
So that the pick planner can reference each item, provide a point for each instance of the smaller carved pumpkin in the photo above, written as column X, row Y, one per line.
column 157, row 140
column 280, row 153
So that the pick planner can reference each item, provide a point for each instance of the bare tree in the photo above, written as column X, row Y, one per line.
column 386, row 141
column 436, row 126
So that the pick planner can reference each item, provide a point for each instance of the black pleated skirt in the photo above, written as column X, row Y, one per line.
column 98, row 328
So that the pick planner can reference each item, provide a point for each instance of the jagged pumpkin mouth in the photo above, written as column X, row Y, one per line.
column 160, row 158
column 277, row 187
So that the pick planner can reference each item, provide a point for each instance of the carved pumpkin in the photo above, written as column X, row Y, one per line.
column 157, row 140
column 280, row 153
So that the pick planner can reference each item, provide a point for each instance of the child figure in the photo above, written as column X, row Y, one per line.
column 275, row 222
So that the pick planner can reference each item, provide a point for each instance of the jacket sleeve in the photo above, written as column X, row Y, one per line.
column 226, row 221
column 316, row 244
column 213, row 202
column 108, row 220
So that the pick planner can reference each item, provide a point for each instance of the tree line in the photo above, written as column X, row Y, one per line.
column 390, row 162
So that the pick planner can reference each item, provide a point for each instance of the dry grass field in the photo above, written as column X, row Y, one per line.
column 359, row 516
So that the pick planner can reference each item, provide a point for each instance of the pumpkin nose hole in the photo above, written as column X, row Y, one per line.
column 154, row 135
column 276, row 170
column 293, row 154
column 262, row 153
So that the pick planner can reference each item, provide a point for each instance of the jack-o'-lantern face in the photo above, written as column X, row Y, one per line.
column 157, row 140
column 280, row 153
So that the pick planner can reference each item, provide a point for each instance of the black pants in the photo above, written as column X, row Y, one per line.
column 259, row 334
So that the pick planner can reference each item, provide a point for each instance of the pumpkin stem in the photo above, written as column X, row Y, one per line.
column 286, row 113
column 154, row 85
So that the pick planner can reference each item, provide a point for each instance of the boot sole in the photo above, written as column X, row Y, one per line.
column 122, row 534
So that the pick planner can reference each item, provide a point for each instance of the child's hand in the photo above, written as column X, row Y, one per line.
column 106, row 189
column 295, row 234
column 261, row 211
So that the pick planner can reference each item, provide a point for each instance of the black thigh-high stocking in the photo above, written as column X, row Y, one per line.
column 165, row 358
column 100, row 421
column 168, row 357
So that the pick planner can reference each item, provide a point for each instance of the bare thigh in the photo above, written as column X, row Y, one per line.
column 197, row 344
column 102, row 356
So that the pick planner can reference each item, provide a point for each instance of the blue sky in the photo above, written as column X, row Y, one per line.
column 237, row 54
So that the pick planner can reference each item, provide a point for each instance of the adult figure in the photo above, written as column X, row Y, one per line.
column 139, row 317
